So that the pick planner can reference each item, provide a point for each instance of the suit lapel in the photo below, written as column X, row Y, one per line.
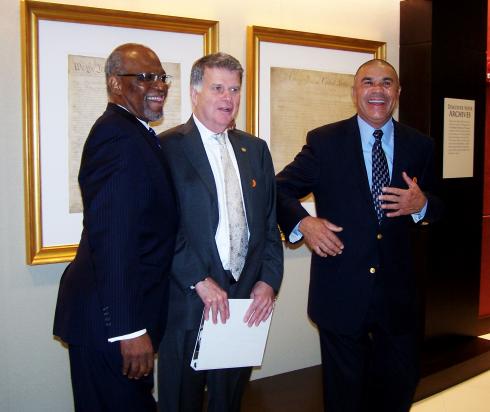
column 355, row 146
column 146, row 141
column 246, row 174
column 145, row 134
column 196, row 154
column 399, row 157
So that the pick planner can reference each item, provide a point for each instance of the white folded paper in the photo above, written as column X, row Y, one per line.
column 230, row 345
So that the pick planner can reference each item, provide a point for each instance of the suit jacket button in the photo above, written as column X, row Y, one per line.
column 372, row 270
column 379, row 236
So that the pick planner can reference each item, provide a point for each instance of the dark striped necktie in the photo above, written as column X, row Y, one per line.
column 380, row 173
column 153, row 133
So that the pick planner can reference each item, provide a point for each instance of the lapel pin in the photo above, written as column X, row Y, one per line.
column 253, row 183
column 243, row 149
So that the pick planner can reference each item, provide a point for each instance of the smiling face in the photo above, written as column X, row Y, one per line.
column 216, row 100
column 144, row 99
column 375, row 92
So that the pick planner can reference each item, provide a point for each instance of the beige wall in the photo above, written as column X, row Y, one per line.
column 34, row 374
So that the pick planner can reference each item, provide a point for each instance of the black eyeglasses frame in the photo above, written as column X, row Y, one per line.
column 148, row 77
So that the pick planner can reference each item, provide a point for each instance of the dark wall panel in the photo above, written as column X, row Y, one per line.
column 443, row 54
column 484, row 309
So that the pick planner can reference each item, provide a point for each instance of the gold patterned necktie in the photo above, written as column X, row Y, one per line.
column 236, row 213
column 380, row 173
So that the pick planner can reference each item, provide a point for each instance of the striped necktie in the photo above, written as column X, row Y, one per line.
column 152, row 132
column 380, row 173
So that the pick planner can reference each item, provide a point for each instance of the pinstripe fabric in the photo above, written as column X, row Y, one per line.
column 117, row 282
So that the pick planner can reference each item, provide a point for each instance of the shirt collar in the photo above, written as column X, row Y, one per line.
column 206, row 134
column 141, row 121
column 367, row 130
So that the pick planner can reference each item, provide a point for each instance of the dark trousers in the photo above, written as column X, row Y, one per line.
column 99, row 385
column 373, row 372
column 181, row 388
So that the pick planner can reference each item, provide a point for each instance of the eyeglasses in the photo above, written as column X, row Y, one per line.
column 149, row 77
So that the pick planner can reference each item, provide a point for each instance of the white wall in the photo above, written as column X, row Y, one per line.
column 34, row 373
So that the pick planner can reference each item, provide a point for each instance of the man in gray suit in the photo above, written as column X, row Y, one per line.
column 228, row 244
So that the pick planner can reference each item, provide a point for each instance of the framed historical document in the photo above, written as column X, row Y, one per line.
column 297, row 81
column 64, row 52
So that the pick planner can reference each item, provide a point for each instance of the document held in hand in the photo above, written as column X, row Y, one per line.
column 230, row 345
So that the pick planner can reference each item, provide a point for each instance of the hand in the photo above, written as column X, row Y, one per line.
column 138, row 356
column 263, row 302
column 403, row 201
column 214, row 298
column 320, row 236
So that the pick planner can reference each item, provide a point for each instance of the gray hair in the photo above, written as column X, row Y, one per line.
column 219, row 60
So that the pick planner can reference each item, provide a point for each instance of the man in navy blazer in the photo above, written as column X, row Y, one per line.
column 362, row 288
column 202, row 275
column 113, row 297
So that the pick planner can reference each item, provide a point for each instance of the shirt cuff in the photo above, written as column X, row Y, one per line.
column 128, row 336
column 421, row 214
column 295, row 234
column 193, row 287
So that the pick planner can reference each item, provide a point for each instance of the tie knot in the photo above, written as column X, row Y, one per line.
column 219, row 137
column 378, row 134
column 152, row 131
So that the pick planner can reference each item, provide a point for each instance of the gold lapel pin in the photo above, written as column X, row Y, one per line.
column 243, row 149
column 253, row 183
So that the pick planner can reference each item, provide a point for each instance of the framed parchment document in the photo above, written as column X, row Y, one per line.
column 297, row 81
column 64, row 51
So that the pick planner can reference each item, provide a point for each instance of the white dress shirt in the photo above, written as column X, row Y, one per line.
column 367, row 141
column 212, row 148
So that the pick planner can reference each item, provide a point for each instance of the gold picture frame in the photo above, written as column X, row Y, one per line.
column 35, row 16
column 256, row 35
column 270, row 50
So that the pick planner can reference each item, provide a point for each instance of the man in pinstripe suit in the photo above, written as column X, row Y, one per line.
column 112, row 299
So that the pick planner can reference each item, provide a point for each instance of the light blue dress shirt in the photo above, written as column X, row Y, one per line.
column 367, row 141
